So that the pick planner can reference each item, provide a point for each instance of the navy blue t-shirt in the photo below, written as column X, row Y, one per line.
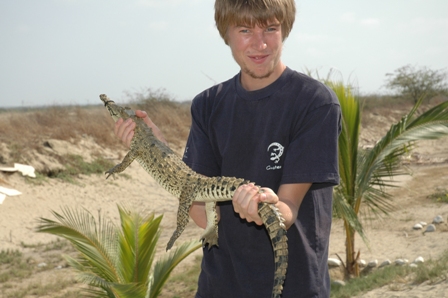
column 284, row 133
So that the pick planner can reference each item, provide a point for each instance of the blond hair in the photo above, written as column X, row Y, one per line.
column 254, row 12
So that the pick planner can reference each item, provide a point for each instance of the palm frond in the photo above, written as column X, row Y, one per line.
column 137, row 242
column 130, row 290
column 365, row 176
column 95, row 293
column 374, row 195
column 348, row 140
column 96, row 242
column 381, row 163
column 343, row 210
column 432, row 124
column 116, row 263
column 164, row 267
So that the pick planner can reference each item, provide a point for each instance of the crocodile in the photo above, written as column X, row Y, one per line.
column 168, row 169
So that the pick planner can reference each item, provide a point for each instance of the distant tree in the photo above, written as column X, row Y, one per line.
column 417, row 82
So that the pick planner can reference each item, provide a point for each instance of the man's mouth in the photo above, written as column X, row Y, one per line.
column 258, row 59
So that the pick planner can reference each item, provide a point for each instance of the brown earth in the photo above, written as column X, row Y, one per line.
column 391, row 237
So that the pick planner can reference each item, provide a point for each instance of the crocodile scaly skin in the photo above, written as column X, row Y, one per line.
column 176, row 177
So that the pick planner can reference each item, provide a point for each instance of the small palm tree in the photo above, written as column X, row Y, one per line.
column 116, row 262
column 365, row 174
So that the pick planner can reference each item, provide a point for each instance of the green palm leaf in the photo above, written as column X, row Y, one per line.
column 163, row 268
column 96, row 242
column 348, row 139
column 366, row 175
column 381, row 164
column 116, row 262
column 137, row 243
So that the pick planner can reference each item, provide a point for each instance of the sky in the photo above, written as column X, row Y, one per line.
column 60, row 52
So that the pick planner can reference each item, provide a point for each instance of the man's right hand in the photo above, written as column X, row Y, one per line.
column 124, row 130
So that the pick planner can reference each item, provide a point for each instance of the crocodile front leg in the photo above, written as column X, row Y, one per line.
column 127, row 160
column 185, row 201
column 210, row 235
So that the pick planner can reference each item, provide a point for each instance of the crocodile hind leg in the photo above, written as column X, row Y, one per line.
column 185, row 201
column 210, row 235
column 127, row 160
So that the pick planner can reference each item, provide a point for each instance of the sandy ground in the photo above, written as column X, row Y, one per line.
column 19, row 214
column 390, row 238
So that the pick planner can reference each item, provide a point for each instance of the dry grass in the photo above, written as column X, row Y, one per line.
column 63, row 123
column 25, row 130
column 172, row 117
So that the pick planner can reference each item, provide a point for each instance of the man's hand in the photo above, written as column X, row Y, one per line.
column 124, row 130
column 288, row 200
column 246, row 198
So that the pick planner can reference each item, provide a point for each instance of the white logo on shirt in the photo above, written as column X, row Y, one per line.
column 276, row 150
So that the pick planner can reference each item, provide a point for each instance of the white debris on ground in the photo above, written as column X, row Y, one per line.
column 9, row 191
column 4, row 191
column 26, row 170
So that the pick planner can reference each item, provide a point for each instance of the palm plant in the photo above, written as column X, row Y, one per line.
column 366, row 174
column 116, row 262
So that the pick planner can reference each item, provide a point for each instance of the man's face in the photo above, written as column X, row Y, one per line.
column 257, row 50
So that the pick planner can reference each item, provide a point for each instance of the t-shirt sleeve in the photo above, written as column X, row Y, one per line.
column 312, row 155
column 199, row 154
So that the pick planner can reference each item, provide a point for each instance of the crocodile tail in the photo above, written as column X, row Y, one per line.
column 273, row 222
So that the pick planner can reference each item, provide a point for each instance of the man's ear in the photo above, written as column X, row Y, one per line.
column 226, row 36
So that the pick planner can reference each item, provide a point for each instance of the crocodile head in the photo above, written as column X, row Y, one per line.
column 115, row 111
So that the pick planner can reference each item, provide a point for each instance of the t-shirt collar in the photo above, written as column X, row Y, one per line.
column 264, row 92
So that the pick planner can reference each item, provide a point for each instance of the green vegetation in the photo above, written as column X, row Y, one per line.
column 396, row 277
column 38, row 290
column 26, row 130
column 17, row 266
column 116, row 262
column 12, row 260
column 184, row 284
column 431, row 271
column 440, row 197
column 366, row 174
column 75, row 166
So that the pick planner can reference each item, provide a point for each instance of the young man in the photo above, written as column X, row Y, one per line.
column 278, row 128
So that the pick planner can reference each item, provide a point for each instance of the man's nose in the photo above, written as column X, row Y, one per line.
column 259, row 42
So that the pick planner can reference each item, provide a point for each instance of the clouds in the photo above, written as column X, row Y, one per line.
column 159, row 3
column 423, row 25
column 352, row 19
column 319, row 38
column 366, row 40
column 83, row 47
column 167, row 3
column 370, row 22
column 348, row 17
column 158, row 25
column 23, row 28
